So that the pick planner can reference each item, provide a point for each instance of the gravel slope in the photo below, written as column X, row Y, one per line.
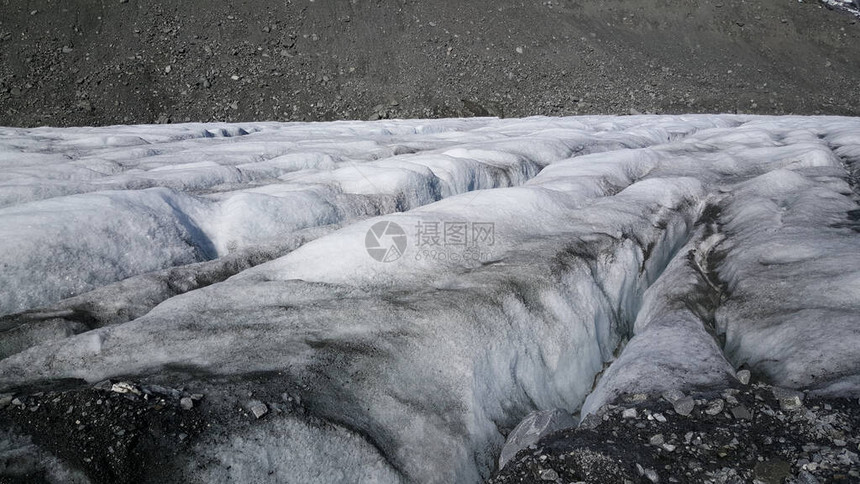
column 755, row 433
column 128, row 61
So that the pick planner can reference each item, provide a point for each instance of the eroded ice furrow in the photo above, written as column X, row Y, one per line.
column 723, row 225
column 845, row 145
column 134, row 297
column 760, row 286
column 673, row 343
column 181, row 201
column 794, row 284
column 43, row 163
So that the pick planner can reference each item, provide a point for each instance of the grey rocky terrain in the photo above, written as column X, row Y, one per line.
column 80, row 62
column 754, row 433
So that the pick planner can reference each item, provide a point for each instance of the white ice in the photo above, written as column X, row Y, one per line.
column 629, row 254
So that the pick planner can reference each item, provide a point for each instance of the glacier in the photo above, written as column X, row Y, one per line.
column 850, row 6
column 548, row 263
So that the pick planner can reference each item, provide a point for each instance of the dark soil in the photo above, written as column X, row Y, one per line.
column 80, row 62
column 113, row 437
column 81, row 433
column 754, row 438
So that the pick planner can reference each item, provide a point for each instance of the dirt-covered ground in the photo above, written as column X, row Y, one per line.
column 757, row 434
column 123, row 432
column 80, row 62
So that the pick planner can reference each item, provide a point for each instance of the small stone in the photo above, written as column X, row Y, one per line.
column 67, row 49
column 804, row 477
column 85, row 105
column 781, row 393
column 519, row 50
column 810, row 448
column 186, row 402
column 103, row 385
column 659, row 417
column 258, row 409
column 657, row 440
column 124, row 387
column 741, row 412
column 548, row 475
column 630, row 413
column 669, row 447
column 673, row 396
column 651, row 475
column 744, row 377
column 715, row 407
column 684, row 406
column 5, row 400
column 790, row 403
column 839, row 443
column 167, row 69
column 772, row 471
column 17, row 402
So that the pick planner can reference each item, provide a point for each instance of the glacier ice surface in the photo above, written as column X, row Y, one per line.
column 626, row 255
